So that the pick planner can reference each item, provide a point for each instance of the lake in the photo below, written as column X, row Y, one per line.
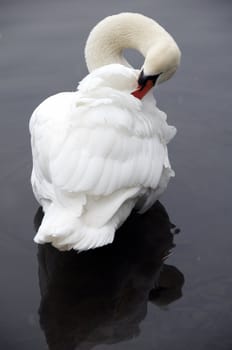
column 165, row 283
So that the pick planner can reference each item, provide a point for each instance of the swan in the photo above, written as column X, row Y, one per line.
column 101, row 151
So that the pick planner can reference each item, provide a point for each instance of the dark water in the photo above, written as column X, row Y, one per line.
column 130, row 295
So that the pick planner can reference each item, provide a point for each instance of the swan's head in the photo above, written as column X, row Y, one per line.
column 109, row 37
column 161, row 62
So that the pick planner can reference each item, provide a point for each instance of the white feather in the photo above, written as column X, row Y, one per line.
column 96, row 153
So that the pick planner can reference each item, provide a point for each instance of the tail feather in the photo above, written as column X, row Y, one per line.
column 65, row 231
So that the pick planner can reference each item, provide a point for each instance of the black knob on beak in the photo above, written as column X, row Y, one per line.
column 145, row 83
column 143, row 79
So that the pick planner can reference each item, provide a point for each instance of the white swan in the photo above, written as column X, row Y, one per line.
column 101, row 151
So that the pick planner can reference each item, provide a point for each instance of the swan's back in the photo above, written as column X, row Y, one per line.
column 96, row 153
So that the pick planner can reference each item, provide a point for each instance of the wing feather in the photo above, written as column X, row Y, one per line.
column 103, row 157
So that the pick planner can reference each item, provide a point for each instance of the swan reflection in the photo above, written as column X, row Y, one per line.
column 101, row 296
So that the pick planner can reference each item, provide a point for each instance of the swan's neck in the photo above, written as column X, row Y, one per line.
column 111, row 36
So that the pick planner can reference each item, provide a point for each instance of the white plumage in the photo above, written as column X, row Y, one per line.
column 97, row 153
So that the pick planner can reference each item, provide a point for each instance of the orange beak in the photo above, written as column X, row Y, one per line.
column 141, row 91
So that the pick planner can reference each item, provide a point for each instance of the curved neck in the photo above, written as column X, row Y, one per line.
column 112, row 35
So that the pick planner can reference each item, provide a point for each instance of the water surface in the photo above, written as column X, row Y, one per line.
column 130, row 295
